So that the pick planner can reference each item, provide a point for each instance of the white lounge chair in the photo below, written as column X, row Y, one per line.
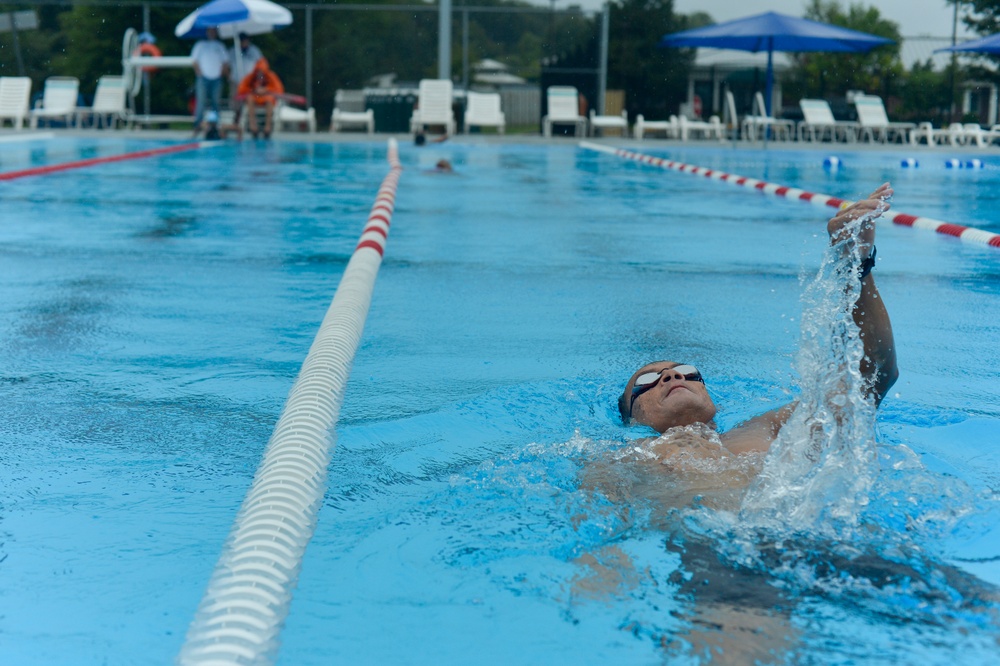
column 976, row 134
column 874, row 122
column 109, row 103
column 953, row 135
column 15, row 99
column 286, row 114
column 760, row 122
column 690, row 129
column 818, row 123
column 349, row 111
column 993, row 134
column 434, row 99
column 730, row 119
column 669, row 127
column 564, row 109
column 608, row 122
column 58, row 100
column 484, row 110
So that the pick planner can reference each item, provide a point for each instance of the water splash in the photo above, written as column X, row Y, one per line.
column 820, row 468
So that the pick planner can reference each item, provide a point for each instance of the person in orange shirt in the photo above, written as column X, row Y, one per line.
column 260, row 88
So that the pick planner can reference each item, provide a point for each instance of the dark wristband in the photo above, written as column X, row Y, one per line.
column 867, row 265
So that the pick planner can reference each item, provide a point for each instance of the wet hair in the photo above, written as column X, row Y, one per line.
column 623, row 407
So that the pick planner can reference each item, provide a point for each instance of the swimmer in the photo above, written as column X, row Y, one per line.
column 420, row 138
column 740, row 612
column 444, row 166
column 672, row 394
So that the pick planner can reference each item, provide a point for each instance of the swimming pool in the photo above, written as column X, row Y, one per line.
column 155, row 313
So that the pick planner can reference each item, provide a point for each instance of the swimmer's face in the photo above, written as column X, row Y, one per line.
column 671, row 402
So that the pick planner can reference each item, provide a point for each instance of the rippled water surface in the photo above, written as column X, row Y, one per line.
column 484, row 505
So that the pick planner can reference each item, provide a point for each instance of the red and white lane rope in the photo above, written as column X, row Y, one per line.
column 94, row 161
column 241, row 615
column 968, row 234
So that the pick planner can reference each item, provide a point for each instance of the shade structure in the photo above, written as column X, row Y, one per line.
column 989, row 44
column 232, row 17
column 772, row 32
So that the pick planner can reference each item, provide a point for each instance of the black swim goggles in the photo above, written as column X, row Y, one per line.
column 648, row 380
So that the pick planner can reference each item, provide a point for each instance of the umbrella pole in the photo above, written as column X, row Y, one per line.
column 769, row 87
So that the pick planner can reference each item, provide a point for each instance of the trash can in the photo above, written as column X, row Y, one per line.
column 392, row 108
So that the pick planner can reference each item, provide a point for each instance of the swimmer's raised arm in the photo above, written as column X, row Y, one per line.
column 879, row 364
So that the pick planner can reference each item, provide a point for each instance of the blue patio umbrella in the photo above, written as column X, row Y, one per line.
column 775, row 32
column 989, row 44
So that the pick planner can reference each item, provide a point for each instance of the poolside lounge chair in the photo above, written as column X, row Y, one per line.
column 730, row 119
column 874, row 122
column 953, row 135
column 109, row 103
column 993, row 135
column 760, row 122
column 819, row 124
column 58, row 100
column 669, row 127
column 349, row 111
column 690, row 129
column 434, row 99
column 286, row 114
column 976, row 134
column 608, row 122
column 564, row 109
column 484, row 110
column 15, row 98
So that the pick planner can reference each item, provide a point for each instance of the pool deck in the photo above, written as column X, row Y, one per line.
column 8, row 136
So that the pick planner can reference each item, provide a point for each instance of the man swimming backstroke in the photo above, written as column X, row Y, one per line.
column 672, row 394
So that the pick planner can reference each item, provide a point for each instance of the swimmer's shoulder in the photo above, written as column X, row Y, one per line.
column 755, row 435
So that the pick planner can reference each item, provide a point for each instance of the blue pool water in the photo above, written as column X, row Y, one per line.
column 154, row 313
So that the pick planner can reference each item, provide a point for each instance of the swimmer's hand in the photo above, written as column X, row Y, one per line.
column 841, row 226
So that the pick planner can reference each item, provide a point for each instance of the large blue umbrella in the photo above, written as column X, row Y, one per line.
column 989, row 44
column 775, row 32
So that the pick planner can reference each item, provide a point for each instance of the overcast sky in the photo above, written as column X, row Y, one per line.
column 915, row 17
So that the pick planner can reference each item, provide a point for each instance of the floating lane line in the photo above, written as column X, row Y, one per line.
column 94, row 161
column 968, row 234
column 241, row 615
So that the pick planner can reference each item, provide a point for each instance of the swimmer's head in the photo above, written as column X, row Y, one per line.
column 420, row 139
column 666, row 395
column 443, row 165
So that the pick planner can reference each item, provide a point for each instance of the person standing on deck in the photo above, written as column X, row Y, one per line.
column 211, row 63
column 240, row 65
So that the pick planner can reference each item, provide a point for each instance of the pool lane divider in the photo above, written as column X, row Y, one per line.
column 968, row 234
column 95, row 161
column 243, row 609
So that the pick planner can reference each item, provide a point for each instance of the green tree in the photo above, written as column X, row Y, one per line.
column 654, row 79
column 833, row 74
column 926, row 94
column 983, row 16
